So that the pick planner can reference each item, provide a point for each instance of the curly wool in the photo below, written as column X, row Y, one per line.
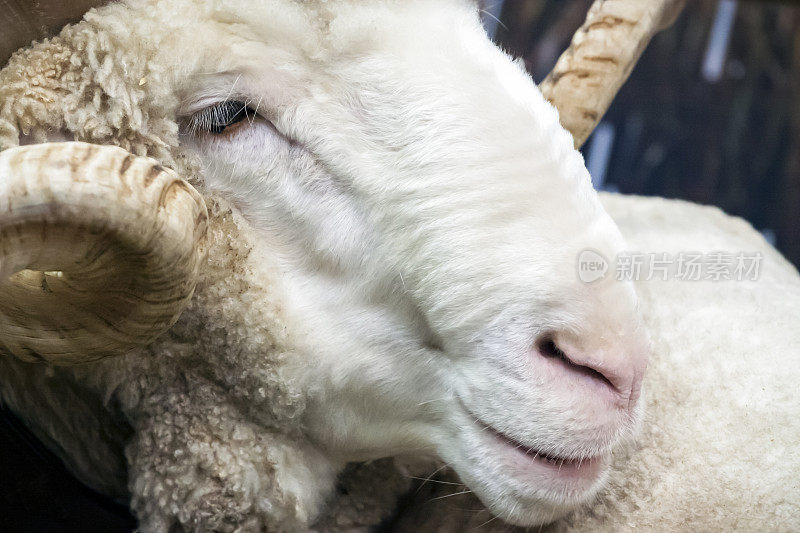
column 82, row 82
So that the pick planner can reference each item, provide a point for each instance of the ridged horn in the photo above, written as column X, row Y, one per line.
column 100, row 251
column 600, row 58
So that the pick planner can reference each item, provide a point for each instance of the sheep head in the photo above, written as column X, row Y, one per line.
column 423, row 210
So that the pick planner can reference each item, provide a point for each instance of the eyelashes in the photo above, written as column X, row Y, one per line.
column 217, row 118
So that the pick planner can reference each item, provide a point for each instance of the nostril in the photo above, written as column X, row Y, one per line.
column 547, row 347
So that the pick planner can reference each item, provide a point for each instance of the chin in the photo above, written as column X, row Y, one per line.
column 524, row 486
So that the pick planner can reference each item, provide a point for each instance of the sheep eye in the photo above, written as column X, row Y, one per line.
column 217, row 118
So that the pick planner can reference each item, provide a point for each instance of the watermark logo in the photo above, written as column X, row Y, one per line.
column 682, row 266
column 592, row 266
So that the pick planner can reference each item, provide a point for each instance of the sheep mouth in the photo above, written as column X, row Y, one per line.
column 548, row 459
column 533, row 462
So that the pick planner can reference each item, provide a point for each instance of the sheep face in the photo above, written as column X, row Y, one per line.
column 426, row 211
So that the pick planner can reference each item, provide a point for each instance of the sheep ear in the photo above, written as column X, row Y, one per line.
column 24, row 21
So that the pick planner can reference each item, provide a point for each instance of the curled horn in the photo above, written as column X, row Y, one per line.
column 600, row 58
column 99, row 250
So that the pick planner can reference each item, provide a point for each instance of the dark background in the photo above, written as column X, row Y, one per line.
column 731, row 138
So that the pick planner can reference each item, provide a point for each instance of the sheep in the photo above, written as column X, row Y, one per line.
column 376, row 277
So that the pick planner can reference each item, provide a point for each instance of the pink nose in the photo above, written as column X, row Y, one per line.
column 618, row 368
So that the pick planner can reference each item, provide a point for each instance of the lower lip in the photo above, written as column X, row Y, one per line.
column 528, row 462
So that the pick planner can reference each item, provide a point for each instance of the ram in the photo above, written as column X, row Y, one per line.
column 330, row 232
